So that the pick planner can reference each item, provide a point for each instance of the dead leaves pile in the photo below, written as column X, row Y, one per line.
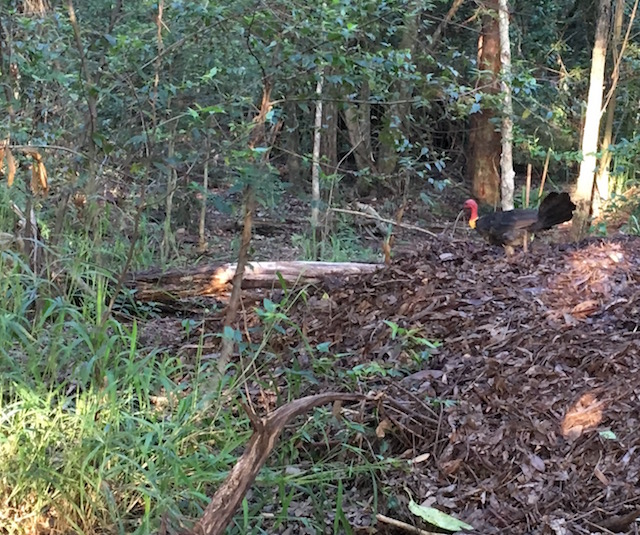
column 540, row 361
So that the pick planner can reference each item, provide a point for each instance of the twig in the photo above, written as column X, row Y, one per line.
column 616, row 68
column 236, row 290
column 74, row 152
column 125, row 269
column 87, row 79
column 527, row 194
column 371, row 211
column 403, row 525
column 384, row 220
column 425, row 406
column 527, row 191
column 455, row 223
column 544, row 173
column 257, row 137
column 412, row 100
column 621, row 522
column 443, row 24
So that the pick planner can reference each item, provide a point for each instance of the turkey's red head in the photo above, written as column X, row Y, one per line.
column 472, row 205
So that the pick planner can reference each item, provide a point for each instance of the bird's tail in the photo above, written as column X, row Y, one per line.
column 554, row 209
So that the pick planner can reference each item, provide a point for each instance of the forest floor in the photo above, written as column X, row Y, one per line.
column 513, row 381
column 538, row 363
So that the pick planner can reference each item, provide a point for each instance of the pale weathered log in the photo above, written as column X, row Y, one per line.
column 214, row 281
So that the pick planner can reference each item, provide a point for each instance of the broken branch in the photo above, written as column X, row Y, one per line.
column 384, row 220
column 227, row 498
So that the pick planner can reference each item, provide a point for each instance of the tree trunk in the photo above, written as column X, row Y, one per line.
column 603, row 188
column 584, row 189
column 507, row 185
column 292, row 128
column 35, row 7
column 484, row 140
column 158, row 66
column 315, row 166
column 365, row 122
column 258, row 138
column 12, row 74
column 92, row 103
column 357, row 117
column 202, row 240
column 168, row 244
column 233, row 305
column 329, row 139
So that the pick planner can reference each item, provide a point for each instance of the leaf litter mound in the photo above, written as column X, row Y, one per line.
column 537, row 379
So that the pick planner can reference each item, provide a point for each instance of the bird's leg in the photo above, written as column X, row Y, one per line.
column 509, row 250
column 525, row 243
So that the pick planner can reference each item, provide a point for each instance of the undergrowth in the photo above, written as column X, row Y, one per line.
column 104, row 430
column 342, row 244
column 100, row 432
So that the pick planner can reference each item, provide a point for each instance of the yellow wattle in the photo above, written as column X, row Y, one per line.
column 472, row 222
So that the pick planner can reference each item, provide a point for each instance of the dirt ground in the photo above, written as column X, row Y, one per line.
column 540, row 355
column 529, row 409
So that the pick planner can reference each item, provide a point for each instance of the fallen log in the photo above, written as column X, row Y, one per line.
column 215, row 281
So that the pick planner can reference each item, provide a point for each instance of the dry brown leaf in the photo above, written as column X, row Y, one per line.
column 336, row 409
column 503, row 366
column 450, row 467
column 384, row 426
column 584, row 415
column 38, row 172
column 603, row 479
column 420, row 458
column 586, row 308
column 386, row 250
column 39, row 178
column 11, row 167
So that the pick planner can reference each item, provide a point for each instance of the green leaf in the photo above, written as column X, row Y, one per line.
column 229, row 333
column 438, row 518
column 394, row 328
column 212, row 72
column 211, row 109
column 608, row 434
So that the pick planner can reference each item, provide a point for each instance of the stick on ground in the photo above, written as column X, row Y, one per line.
column 403, row 525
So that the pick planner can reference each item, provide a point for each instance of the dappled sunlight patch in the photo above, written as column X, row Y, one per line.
column 591, row 280
column 24, row 519
column 582, row 416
